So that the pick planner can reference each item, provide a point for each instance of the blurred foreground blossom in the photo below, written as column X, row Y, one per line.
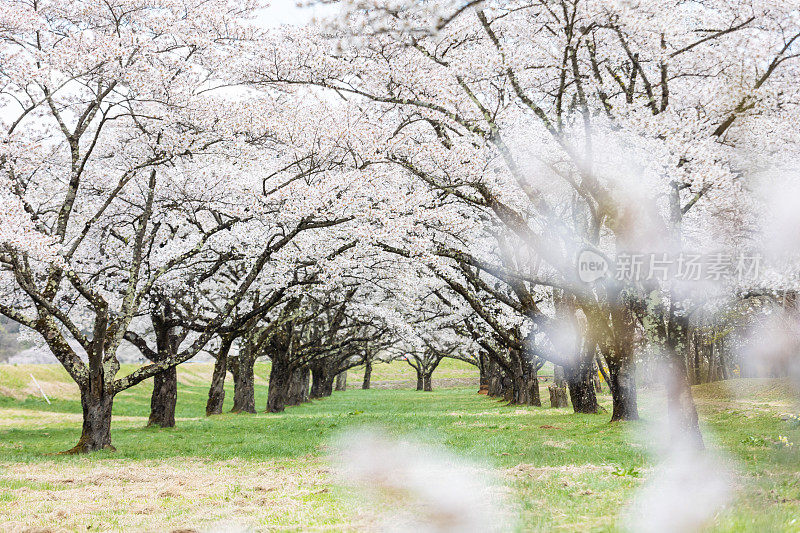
column 417, row 487
column 772, row 345
column 683, row 493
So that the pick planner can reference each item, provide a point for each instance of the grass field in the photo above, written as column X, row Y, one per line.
column 561, row 471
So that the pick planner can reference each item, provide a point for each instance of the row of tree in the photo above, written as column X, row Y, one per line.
column 429, row 178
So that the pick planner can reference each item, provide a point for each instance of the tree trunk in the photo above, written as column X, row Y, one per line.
column 697, row 339
column 602, row 369
column 581, row 385
column 244, row 393
column 279, row 381
column 525, row 390
column 427, row 384
column 623, row 390
column 558, row 390
column 483, row 380
column 420, row 381
column 558, row 396
column 298, row 387
column 164, row 399
column 533, row 384
column 305, row 383
column 367, row 375
column 496, row 379
column 216, row 392
column 96, row 429
column 341, row 381
column 596, row 379
column 722, row 363
column 582, row 393
column 165, row 384
column 684, row 424
column 321, row 380
column 680, row 404
column 524, row 381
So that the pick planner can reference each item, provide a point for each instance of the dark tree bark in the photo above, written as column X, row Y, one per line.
column 558, row 397
column 580, row 380
column 427, row 382
column 164, row 399
column 96, row 429
column 524, row 380
column 165, row 384
column 322, row 378
column 496, row 379
column 616, row 347
column 367, row 375
column 685, row 426
column 297, row 392
column 243, row 370
column 341, row 381
column 425, row 365
column 582, row 393
column 696, row 365
column 216, row 392
column 244, row 392
column 525, row 390
column 623, row 390
column 279, row 381
column 483, row 380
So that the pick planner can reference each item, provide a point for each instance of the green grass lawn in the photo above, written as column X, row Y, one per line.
column 562, row 471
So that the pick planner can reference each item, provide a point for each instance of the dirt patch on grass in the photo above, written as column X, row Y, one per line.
column 524, row 470
column 561, row 444
column 165, row 496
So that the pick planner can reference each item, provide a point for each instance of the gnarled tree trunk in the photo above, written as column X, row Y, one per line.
column 623, row 389
column 558, row 390
column 341, row 381
column 216, row 392
column 244, row 392
column 164, row 399
column 580, row 380
column 297, row 392
column 96, row 429
column 367, row 375
column 496, row 379
column 524, row 381
column 165, row 384
column 322, row 379
column 279, row 381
